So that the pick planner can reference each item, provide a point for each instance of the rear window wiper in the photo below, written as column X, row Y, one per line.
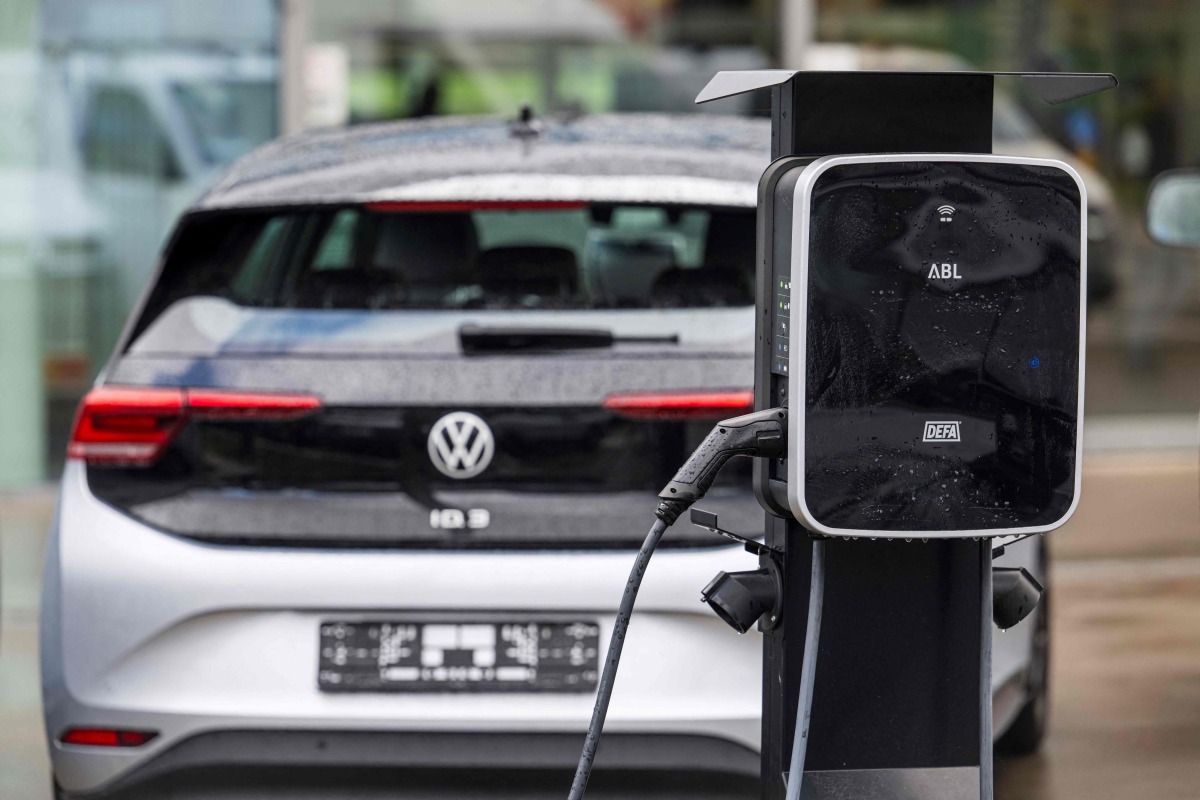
column 476, row 339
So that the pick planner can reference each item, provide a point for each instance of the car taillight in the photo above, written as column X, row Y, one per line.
column 130, row 426
column 125, row 425
column 106, row 737
column 215, row 404
column 704, row 405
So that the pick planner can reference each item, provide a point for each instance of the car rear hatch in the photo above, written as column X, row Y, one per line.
column 429, row 376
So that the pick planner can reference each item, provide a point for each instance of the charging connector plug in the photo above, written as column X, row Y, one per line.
column 762, row 434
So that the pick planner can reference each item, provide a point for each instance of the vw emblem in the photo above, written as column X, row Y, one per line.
column 461, row 445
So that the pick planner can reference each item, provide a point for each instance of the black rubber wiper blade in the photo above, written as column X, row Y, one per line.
column 476, row 339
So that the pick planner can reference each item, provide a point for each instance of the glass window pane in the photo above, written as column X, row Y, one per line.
column 122, row 136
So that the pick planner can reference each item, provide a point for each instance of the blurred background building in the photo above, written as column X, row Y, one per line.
column 118, row 112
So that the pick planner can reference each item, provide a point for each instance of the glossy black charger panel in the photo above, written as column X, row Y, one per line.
column 937, row 307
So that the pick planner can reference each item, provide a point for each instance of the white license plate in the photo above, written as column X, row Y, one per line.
column 402, row 656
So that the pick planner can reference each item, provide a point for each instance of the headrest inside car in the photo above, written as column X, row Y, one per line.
column 349, row 288
column 430, row 248
column 623, row 272
column 522, row 271
column 729, row 242
column 704, row 287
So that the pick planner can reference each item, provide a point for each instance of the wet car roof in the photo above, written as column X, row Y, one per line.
column 712, row 160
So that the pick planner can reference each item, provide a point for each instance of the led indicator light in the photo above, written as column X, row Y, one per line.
column 1035, row 362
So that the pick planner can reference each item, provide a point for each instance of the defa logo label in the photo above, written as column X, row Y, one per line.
column 944, row 271
column 942, row 432
column 461, row 445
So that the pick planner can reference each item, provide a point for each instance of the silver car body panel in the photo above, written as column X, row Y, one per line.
column 156, row 632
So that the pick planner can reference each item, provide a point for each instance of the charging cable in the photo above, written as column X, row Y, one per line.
column 808, row 670
column 762, row 434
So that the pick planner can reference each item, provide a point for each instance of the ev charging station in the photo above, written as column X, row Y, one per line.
column 921, row 318
column 919, row 393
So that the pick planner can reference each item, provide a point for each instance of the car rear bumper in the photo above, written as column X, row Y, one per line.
column 143, row 630
column 360, row 760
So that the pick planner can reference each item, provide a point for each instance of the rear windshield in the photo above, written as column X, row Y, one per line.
column 455, row 256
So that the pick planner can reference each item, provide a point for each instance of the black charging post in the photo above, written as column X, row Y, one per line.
column 902, row 706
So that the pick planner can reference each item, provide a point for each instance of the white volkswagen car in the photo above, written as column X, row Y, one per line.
column 361, row 486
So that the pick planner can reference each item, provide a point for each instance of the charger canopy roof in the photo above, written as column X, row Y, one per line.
column 1052, row 87
column 816, row 113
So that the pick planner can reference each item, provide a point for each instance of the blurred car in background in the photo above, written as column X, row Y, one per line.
column 361, row 483
column 154, row 128
column 1016, row 134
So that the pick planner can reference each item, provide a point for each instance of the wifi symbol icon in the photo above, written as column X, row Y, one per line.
column 947, row 212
